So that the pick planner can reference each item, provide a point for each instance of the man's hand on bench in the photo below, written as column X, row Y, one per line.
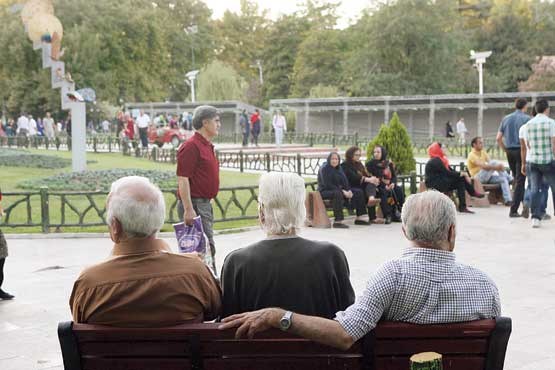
column 318, row 329
column 250, row 323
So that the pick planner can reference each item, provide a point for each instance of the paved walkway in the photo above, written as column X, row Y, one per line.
column 40, row 272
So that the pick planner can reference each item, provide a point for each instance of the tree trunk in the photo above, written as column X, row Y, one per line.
column 426, row 361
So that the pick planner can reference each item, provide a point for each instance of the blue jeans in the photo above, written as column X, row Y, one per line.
column 544, row 189
column 497, row 177
column 537, row 175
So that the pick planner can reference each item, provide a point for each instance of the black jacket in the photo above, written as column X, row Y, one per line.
column 438, row 177
column 300, row 275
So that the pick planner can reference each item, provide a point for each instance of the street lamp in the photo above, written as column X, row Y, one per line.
column 191, row 76
column 479, row 60
column 259, row 66
column 192, row 30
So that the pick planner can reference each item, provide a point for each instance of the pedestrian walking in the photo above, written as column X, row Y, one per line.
column 508, row 140
column 255, row 126
column 461, row 131
column 280, row 126
column 198, row 172
column 3, row 255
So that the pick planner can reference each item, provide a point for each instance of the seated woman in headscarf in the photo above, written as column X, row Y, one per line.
column 333, row 184
column 439, row 176
column 359, row 178
column 384, row 170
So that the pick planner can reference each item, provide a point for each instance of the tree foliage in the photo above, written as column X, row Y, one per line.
column 218, row 81
column 136, row 50
column 396, row 140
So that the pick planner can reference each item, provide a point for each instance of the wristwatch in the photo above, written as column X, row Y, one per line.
column 285, row 322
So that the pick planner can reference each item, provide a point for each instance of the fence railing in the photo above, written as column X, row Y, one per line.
column 111, row 144
column 97, row 143
column 47, row 210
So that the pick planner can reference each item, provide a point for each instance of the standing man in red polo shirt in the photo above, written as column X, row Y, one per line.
column 198, row 172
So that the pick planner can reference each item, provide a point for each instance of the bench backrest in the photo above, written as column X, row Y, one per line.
column 465, row 346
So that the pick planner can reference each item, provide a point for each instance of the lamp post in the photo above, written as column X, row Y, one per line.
column 191, row 77
column 260, row 73
column 192, row 30
column 479, row 60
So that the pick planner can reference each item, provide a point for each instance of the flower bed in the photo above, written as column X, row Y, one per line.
column 98, row 180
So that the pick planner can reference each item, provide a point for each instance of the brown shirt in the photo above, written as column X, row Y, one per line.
column 144, row 286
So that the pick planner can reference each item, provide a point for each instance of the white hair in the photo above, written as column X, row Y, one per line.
column 427, row 216
column 138, row 205
column 281, row 197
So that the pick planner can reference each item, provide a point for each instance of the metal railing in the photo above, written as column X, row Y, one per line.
column 46, row 210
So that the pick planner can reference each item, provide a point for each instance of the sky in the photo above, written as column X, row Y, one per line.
column 348, row 10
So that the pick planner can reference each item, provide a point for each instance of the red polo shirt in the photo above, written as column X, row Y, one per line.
column 197, row 161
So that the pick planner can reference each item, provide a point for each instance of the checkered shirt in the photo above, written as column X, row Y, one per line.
column 539, row 131
column 424, row 286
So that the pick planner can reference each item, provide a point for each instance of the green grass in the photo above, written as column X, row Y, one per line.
column 11, row 176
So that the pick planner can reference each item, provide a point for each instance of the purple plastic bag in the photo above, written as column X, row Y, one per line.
column 190, row 238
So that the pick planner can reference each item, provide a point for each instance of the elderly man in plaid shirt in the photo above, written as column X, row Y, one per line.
column 424, row 286
column 539, row 163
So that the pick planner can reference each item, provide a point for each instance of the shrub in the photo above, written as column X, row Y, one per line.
column 396, row 140
column 22, row 158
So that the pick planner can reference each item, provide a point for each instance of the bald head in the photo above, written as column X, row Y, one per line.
column 137, row 204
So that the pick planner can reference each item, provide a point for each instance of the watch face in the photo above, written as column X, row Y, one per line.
column 285, row 323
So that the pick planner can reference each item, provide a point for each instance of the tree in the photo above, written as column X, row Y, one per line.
column 396, row 140
column 218, row 81
column 318, row 61
column 408, row 47
column 280, row 52
column 509, row 33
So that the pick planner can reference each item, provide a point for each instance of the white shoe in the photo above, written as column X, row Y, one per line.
column 536, row 223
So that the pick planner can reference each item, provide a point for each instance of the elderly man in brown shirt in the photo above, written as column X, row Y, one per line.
column 143, row 284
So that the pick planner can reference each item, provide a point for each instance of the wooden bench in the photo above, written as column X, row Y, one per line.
column 471, row 201
column 477, row 345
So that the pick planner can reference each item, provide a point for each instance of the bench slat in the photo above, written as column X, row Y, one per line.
column 212, row 348
column 479, row 328
column 134, row 364
column 283, row 364
column 443, row 346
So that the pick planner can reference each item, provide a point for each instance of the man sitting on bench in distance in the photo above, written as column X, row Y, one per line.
column 481, row 167
column 425, row 286
column 143, row 284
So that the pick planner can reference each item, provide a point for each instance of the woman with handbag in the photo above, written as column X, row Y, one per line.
column 3, row 255
column 392, row 195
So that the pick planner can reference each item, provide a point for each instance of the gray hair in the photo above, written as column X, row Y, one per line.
column 203, row 112
column 428, row 216
column 281, row 197
column 138, row 205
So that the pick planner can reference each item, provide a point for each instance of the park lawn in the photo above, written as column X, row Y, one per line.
column 230, row 201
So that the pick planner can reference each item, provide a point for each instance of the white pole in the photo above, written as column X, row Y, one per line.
column 192, row 90
column 78, row 135
column 481, row 77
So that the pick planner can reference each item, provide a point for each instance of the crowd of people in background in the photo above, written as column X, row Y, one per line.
column 26, row 125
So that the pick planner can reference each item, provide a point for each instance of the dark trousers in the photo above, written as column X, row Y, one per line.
column 245, row 138
column 2, row 261
column 458, row 184
column 357, row 201
column 143, row 136
column 254, row 137
column 338, row 202
column 515, row 164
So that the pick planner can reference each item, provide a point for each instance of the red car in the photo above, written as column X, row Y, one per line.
column 162, row 135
